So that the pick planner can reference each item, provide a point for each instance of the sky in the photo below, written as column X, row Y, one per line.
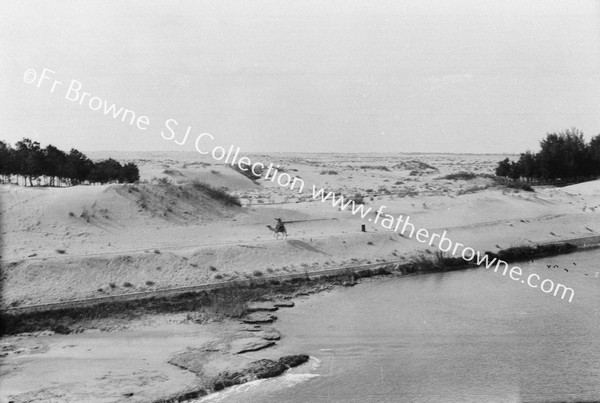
column 466, row 76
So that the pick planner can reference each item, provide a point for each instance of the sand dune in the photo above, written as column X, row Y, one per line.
column 89, row 241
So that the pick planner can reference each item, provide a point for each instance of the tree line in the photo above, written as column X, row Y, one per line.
column 564, row 157
column 50, row 166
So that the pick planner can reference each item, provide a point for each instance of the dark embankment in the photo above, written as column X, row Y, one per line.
column 439, row 263
column 523, row 253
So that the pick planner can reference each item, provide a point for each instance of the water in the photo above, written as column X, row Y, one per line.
column 470, row 336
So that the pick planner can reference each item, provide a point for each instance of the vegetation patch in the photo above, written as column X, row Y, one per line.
column 379, row 167
column 51, row 166
column 462, row 175
column 217, row 194
column 564, row 158
column 523, row 253
column 514, row 184
column 414, row 165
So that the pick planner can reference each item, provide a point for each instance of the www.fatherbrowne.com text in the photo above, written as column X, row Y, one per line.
column 74, row 92
column 443, row 243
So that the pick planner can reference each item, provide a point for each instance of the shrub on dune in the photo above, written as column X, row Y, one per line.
column 217, row 194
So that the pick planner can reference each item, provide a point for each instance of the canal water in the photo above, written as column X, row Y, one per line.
column 467, row 336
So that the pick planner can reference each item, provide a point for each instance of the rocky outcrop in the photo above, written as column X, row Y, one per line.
column 258, row 370
column 261, row 307
column 268, row 334
column 240, row 346
column 255, row 370
column 291, row 361
column 259, row 317
column 193, row 360
column 251, row 328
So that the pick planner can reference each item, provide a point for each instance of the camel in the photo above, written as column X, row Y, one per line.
column 278, row 231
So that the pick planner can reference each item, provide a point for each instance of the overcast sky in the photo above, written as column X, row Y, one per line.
column 304, row 76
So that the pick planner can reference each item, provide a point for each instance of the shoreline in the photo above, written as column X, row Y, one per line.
column 238, row 297
column 528, row 251
column 357, row 276
column 29, row 319
column 260, row 369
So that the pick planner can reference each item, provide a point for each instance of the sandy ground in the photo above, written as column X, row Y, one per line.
column 97, row 366
column 130, row 364
column 91, row 241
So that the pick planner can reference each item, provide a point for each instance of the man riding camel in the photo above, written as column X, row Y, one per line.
column 279, row 229
column 279, row 226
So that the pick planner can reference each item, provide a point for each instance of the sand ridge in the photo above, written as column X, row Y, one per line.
column 93, row 241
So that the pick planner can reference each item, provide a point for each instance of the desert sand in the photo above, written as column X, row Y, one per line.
column 61, row 244
column 88, row 241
